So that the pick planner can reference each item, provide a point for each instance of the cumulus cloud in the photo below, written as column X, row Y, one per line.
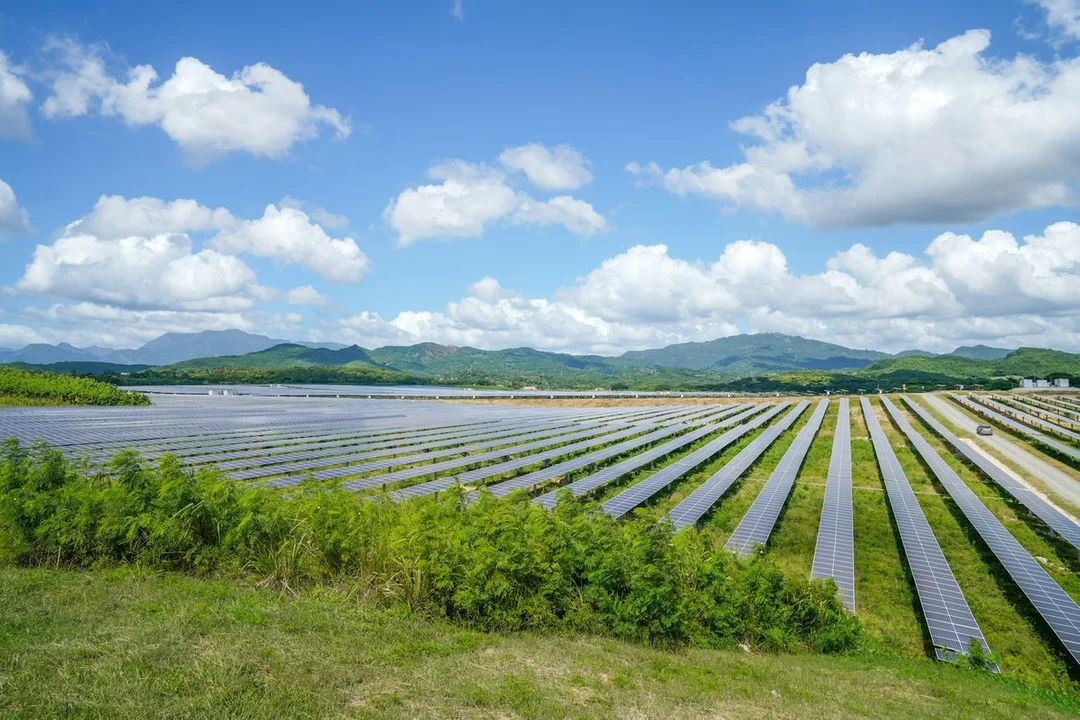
column 160, row 272
column 645, row 297
column 305, row 295
column 559, row 168
column 115, row 216
column 468, row 196
column 286, row 234
column 289, row 235
column 12, row 217
column 15, row 96
column 930, row 135
column 258, row 110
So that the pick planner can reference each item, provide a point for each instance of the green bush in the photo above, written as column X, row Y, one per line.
column 493, row 564
column 46, row 387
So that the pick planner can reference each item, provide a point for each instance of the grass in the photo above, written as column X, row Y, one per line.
column 129, row 644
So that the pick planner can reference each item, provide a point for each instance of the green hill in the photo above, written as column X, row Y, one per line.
column 750, row 354
column 770, row 362
column 981, row 352
column 283, row 355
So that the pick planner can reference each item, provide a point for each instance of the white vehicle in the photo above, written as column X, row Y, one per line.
column 984, row 430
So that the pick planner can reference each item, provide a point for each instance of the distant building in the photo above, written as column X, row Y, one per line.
column 1027, row 383
column 1042, row 383
column 1061, row 382
column 529, row 387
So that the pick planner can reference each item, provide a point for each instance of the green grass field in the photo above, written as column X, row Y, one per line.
column 130, row 644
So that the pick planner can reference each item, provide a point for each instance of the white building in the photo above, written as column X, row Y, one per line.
column 1061, row 382
column 1027, row 383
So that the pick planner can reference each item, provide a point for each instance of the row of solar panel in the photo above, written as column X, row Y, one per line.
column 986, row 409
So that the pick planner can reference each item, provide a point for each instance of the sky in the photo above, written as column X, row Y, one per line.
column 566, row 175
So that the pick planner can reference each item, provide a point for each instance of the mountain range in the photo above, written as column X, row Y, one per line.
column 165, row 350
column 734, row 356
column 767, row 361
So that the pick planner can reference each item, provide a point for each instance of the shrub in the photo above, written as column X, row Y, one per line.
column 55, row 388
column 492, row 564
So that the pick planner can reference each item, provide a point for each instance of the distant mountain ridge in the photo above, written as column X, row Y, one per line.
column 167, row 349
column 728, row 358
column 731, row 357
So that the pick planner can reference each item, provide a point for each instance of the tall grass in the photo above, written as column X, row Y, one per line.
column 493, row 564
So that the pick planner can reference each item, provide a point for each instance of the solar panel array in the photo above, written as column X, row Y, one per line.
column 643, row 491
column 1069, row 414
column 1025, row 417
column 756, row 526
column 508, row 486
column 946, row 611
column 1055, row 606
column 986, row 410
column 389, row 444
column 1032, row 409
column 834, row 553
column 612, row 472
column 699, row 502
column 1070, row 403
column 1034, row 502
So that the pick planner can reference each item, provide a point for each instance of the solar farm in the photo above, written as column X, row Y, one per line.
column 875, row 494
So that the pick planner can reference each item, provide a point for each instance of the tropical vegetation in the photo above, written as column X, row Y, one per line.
column 27, row 387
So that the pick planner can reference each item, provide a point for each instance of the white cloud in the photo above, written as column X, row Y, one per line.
column 946, row 134
column 993, row 290
column 469, row 196
column 288, row 235
column 305, row 295
column 577, row 216
column 160, row 272
column 12, row 217
column 1063, row 16
column 116, row 217
column 321, row 215
column 258, row 109
column 457, row 10
column 15, row 96
column 18, row 336
column 559, row 168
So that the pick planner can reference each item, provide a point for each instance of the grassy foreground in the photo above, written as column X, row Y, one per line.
column 129, row 643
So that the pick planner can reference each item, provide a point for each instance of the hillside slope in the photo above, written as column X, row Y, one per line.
column 751, row 354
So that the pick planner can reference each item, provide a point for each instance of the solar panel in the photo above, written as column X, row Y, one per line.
column 355, row 463
column 948, row 617
column 756, row 526
column 1055, row 606
column 1026, row 417
column 1033, row 409
column 350, row 465
column 985, row 411
column 411, row 473
column 1064, row 402
column 530, row 479
column 612, row 472
column 834, row 553
column 1071, row 415
column 1052, row 516
column 637, row 494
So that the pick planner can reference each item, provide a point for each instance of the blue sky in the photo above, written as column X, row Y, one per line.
column 622, row 106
